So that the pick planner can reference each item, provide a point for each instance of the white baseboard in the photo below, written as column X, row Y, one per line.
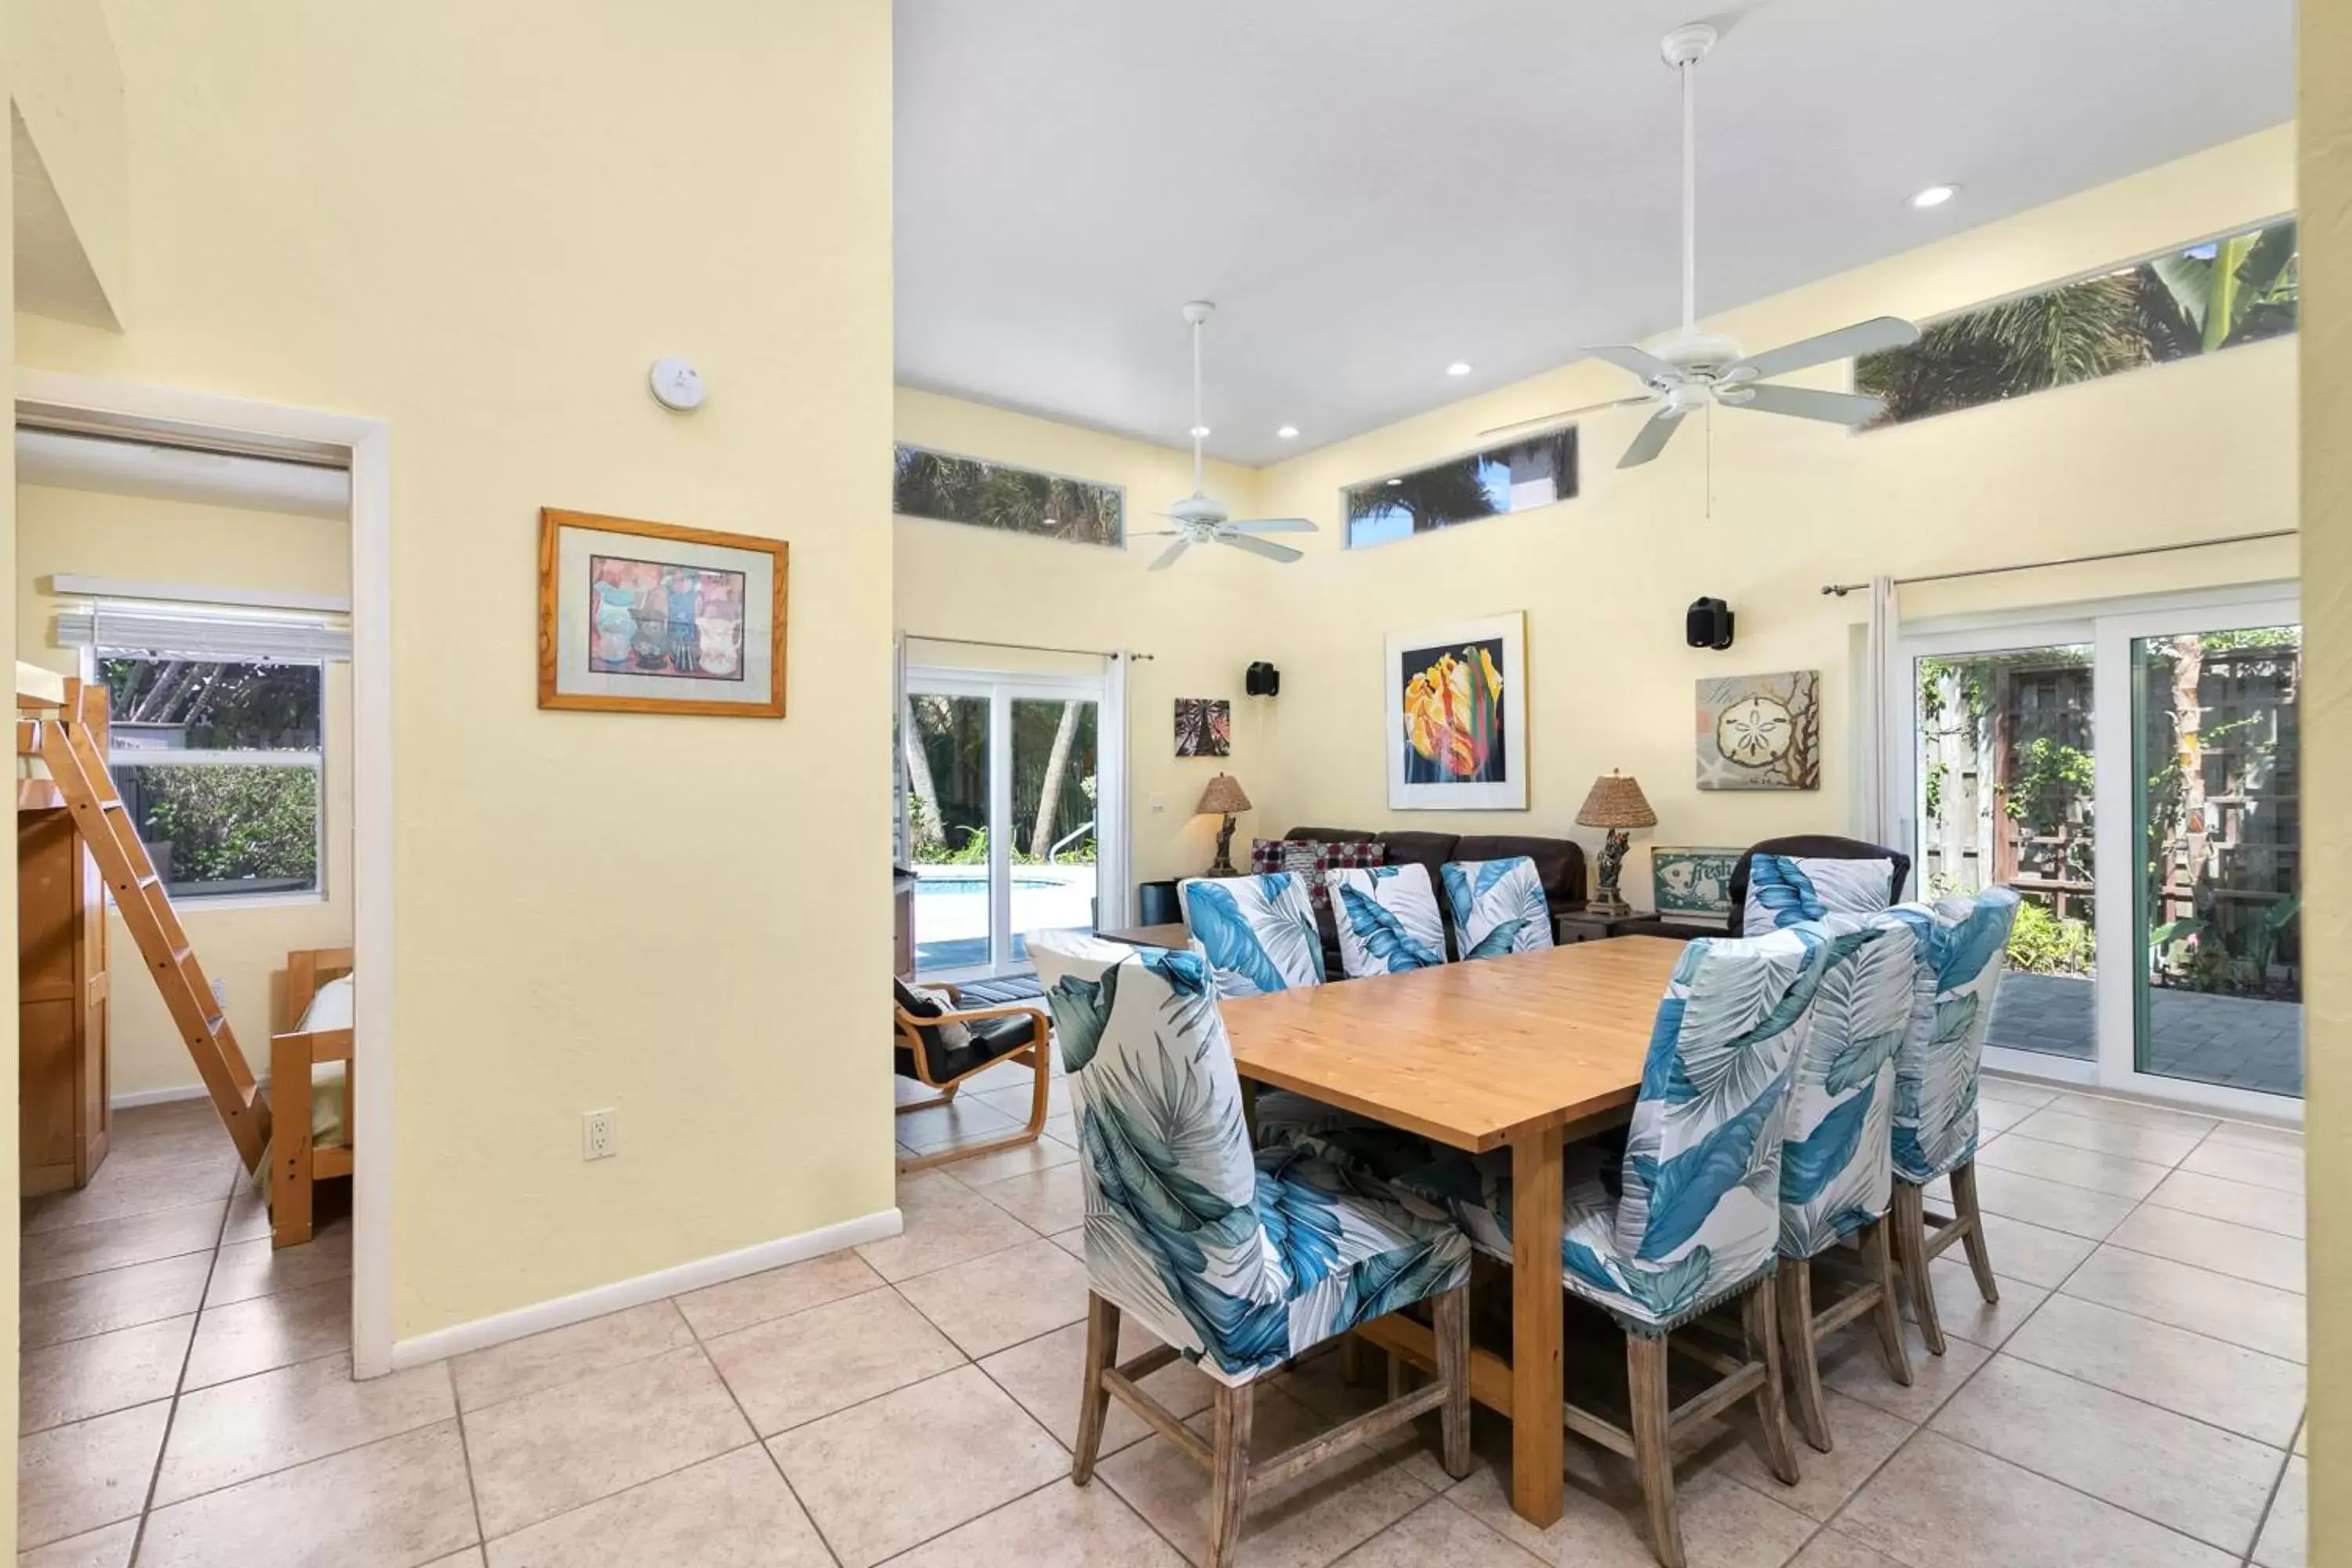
column 156, row 1097
column 565, row 1310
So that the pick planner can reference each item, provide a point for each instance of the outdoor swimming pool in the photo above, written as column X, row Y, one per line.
column 951, row 911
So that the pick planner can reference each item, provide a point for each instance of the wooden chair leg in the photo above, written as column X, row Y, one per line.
column 1351, row 1359
column 1450, row 1322
column 1400, row 1377
column 1878, row 1258
column 1794, row 1289
column 1911, row 1245
column 1039, row 1101
column 1229, row 1473
column 1965, row 1212
column 1645, row 1378
column 1094, row 1399
column 1772, row 1402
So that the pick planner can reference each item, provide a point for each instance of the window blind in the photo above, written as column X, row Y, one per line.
column 195, row 632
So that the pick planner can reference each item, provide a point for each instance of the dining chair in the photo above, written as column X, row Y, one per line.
column 1695, row 1217
column 1834, row 888
column 1259, row 933
column 1499, row 907
column 1965, row 945
column 1837, row 1172
column 1388, row 920
column 1236, row 1259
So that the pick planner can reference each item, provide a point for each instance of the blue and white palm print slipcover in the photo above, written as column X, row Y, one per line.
column 1499, row 907
column 1836, row 1169
column 1693, row 1213
column 1258, row 931
column 1388, row 920
column 1965, row 941
column 1239, row 1260
column 1783, row 891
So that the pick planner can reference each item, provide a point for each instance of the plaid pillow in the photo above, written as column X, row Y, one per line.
column 1312, row 859
column 1265, row 856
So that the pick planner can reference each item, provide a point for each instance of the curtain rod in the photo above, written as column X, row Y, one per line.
column 1022, row 646
column 1842, row 589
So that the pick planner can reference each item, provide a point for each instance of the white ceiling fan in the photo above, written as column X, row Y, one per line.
column 1694, row 370
column 1199, row 519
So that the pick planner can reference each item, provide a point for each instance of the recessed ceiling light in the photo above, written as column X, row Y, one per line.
column 1199, row 431
column 1397, row 481
column 1289, row 433
column 1934, row 196
column 1459, row 367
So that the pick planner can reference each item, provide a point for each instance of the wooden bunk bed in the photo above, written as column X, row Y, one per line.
column 307, row 1148
column 61, row 727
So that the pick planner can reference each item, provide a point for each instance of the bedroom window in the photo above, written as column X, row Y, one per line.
column 2198, row 299
column 220, row 763
column 1017, row 501
column 1533, row 471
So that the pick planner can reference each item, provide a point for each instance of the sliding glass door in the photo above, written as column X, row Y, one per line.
column 1005, row 789
column 2133, row 776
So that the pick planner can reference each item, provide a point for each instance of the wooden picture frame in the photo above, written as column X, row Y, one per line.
column 598, row 651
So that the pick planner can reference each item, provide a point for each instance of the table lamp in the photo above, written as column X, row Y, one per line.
column 1223, row 798
column 1615, row 804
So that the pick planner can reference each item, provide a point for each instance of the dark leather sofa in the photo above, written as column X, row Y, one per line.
column 1559, row 865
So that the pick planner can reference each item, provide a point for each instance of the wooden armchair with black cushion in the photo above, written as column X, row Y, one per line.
column 942, row 1046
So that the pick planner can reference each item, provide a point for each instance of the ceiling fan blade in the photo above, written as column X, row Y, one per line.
column 1640, row 361
column 1168, row 556
column 1873, row 336
column 1274, row 525
column 1652, row 439
column 1154, row 532
column 1256, row 546
column 1805, row 403
column 1567, row 413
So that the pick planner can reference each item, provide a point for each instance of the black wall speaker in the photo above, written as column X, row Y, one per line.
column 1262, row 680
column 1708, row 624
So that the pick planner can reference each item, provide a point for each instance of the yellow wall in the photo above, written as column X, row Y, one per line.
column 9, row 1180
column 2327, row 348
column 2179, row 452
column 69, row 91
column 1202, row 621
column 481, row 224
column 242, row 946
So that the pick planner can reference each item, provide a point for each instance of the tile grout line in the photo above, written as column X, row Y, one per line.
column 171, row 1416
column 770, row 1454
column 2270, row 1502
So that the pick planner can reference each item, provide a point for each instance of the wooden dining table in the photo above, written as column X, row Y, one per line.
column 1525, row 1052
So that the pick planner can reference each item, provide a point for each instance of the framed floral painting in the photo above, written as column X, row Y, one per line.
column 649, row 617
column 1456, row 714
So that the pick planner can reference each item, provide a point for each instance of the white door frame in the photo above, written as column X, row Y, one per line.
column 2108, row 626
column 1000, row 689
column 130, row 406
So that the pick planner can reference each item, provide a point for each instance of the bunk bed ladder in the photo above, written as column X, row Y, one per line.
column 65, row 745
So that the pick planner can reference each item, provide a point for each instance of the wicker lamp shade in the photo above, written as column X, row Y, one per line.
column 1224, row 796
column 1616, row 801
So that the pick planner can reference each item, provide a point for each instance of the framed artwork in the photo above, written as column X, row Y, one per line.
column 1205, row 727
column 1760, row 731
column 649, row 617
column 1456, row 716
column 1692, row 882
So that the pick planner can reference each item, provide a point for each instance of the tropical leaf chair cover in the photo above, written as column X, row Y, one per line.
column 1499, row 907
column 1259, row 933
column 1837, row 1172
column 1693, row 1215
column 1238, row 1260
column 1964, row 943
column 1388, row 920
column 1787, row 889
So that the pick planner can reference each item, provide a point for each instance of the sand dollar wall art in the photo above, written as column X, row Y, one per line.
column 1760, row 731
column 1456, row 716
column 649, row 617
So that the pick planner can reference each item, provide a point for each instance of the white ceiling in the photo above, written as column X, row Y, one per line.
column 1370, row 189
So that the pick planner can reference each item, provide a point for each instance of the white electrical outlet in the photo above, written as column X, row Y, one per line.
column 1158, row 804
column 600, row 1134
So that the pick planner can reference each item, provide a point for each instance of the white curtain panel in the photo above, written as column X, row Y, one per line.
column 1876, row 720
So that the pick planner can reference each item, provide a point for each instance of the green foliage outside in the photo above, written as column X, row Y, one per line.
column 229, row 824
column 1458, row 489
column 2042, row 943
column 2237, row 291
column 1017, row 501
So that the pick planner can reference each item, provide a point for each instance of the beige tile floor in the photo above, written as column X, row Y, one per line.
column 2136, row 1397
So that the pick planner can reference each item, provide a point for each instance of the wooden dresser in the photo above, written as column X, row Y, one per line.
column 63, row 1115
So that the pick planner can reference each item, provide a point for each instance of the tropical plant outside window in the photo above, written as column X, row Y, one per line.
column 2195, row 301
column 1054, row 781
column 1533, row 472
column 1016, row 501
column 219, row 764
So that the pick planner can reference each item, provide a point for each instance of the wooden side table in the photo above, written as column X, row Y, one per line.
column 1577, row 925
